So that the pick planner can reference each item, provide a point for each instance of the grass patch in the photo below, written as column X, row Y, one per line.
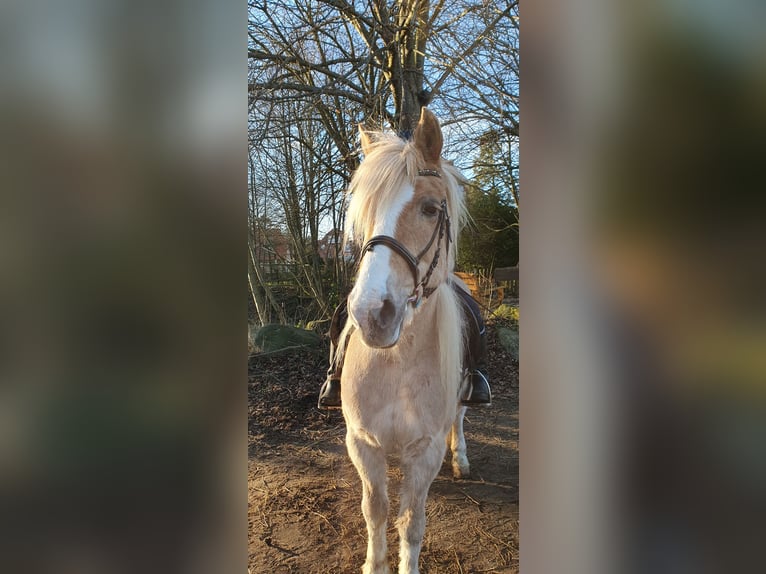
column 507, row 313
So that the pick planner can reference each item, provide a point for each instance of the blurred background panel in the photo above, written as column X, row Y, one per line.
column 122, row 289
column 644, row 361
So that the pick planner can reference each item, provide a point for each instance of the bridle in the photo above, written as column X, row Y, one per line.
column 421, row 289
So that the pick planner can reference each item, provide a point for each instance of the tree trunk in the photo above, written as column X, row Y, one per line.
column 412, row 33
column 255, row 276
column 255, row 292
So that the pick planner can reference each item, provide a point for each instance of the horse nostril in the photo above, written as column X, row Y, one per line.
column 386, row 314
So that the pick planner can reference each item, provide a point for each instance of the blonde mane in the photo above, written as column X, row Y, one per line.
column 390, row 163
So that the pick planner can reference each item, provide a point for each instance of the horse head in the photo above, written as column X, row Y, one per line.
column 403, row 197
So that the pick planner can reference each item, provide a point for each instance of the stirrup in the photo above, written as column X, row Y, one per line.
column 329, row 395
column 479, row 395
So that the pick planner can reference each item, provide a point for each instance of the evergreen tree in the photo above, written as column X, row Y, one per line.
column 491, row 238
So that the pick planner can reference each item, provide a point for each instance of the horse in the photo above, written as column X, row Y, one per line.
column 403, row 374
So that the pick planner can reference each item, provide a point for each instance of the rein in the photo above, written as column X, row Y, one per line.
column 421, row 289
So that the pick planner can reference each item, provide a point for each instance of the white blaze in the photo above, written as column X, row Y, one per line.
column 370, row 288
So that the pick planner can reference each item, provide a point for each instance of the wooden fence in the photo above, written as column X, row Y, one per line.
column 491, row 291
column 510, row 277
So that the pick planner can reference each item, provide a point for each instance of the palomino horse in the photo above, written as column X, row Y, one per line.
column 402, row 374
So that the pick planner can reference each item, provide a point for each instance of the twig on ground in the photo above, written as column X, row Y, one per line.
column 322, row 516
column 457, row 560
column 476, row 502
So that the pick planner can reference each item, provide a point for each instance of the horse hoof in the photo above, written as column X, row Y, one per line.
column 461, row 473
column 376, row 568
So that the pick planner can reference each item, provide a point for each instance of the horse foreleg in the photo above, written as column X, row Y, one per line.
column 370, row 463
column 420, row 464
column 456, row 443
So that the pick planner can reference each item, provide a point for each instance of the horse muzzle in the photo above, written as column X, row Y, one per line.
column 379, row 322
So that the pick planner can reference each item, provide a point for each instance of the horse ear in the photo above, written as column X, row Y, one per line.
column 428, row 136
column 365, row 139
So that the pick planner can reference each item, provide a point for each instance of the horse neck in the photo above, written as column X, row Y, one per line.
column 437, row 323
column 425, row 319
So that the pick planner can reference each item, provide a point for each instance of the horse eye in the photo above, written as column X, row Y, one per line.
column 429, row 209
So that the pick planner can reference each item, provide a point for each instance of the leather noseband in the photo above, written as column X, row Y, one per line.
column 421, row 289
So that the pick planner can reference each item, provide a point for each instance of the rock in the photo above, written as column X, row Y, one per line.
column 509, row 339
column 276, row 338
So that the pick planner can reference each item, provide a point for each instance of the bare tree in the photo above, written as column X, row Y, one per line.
column 319, row 67
column 375, row 57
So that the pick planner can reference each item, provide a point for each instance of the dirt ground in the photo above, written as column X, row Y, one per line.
column 304, row 494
